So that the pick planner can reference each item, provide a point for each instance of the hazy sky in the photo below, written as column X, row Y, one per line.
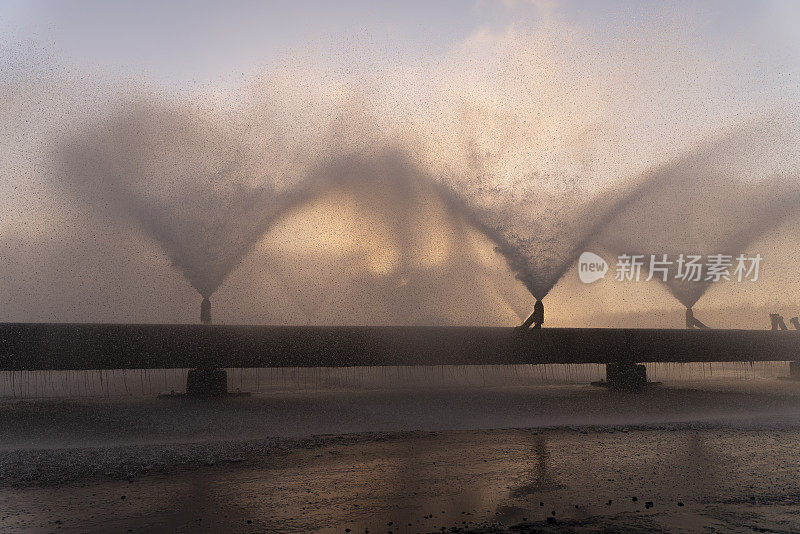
column 198, row 41
column 515, row 96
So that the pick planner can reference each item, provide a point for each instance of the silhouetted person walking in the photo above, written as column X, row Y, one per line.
column 795, row 323
column 777, row 321
column 691, row 321
column 537, row 317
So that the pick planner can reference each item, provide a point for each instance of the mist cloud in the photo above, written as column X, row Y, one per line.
column 538, row 137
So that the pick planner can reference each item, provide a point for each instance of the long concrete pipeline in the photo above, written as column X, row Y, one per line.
column 38, row 346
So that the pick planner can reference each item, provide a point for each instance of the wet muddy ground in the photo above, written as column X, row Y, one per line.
column 716, row 455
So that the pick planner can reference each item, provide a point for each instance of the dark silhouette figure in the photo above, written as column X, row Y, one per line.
column 691, row 321
column 205, row 311
column 537, row 317
column 777, row 321
column 795, row 323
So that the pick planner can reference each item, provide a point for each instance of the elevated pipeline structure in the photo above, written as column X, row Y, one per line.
column 51, row 346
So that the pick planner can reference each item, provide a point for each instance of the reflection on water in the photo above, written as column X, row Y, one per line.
column 542, row 481
column 716, row 452
column 539, row 487
column 422, row 482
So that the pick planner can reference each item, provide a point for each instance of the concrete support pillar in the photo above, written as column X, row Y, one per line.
column 207, row 383
column 626, row 375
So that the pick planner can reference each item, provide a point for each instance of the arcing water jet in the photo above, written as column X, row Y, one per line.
column 187, row 181
column 541, row 259
column 690, row 186
column 712, row 200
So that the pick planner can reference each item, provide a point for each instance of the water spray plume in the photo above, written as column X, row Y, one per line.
column 525, row 133
column 714, row 199
column 187, row 181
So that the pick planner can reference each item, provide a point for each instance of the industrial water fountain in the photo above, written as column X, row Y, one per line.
column 623, row 220
column 692, row 219
column 190, row 181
